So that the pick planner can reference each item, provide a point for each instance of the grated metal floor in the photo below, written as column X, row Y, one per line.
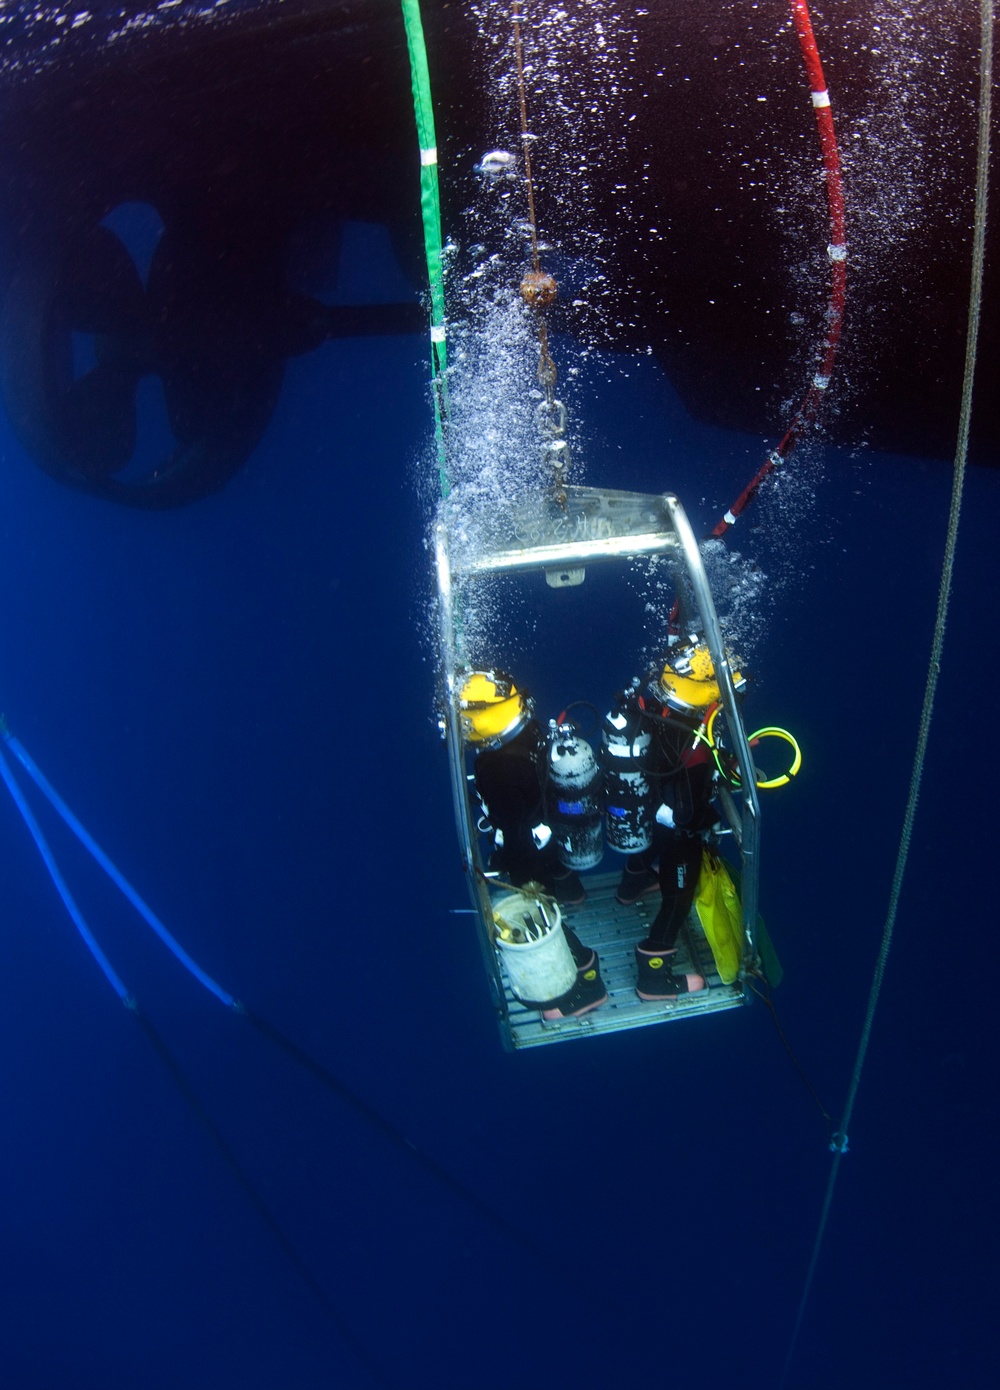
column 613, row 931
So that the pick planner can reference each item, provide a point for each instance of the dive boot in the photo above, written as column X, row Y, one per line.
column 587, row 993
column 656, row 976
column 636, row 884
column 567, row 888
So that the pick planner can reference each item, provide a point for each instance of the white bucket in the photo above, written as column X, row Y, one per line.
column 540, row 968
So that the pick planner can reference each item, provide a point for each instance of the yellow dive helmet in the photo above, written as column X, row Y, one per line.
column 688, row 680
column 491, row 708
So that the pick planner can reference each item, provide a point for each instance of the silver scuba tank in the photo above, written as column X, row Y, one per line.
column 626, row 754
column 573, row 798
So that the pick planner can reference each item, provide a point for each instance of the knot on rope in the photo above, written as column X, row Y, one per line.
column 838, row 1143
column 539, row 289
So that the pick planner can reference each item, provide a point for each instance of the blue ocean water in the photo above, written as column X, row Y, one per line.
column 236, row 697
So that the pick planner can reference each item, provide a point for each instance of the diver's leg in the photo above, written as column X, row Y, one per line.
column 680, row 866
column 639, row 877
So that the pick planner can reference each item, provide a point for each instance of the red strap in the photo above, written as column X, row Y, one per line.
column 810, row 407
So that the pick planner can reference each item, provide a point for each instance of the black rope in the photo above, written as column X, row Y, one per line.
column 765, row 996
column 258, row 1202
column 396, row 1137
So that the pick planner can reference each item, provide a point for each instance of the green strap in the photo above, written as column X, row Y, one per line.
column 430, row 208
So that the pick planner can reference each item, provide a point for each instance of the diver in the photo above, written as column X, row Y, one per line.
column 511, row 758
column 660, row 780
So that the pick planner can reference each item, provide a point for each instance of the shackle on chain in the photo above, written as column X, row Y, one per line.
column 550, row 418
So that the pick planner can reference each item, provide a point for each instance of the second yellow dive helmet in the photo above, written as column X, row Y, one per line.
column 688, row 682
column 491, row 709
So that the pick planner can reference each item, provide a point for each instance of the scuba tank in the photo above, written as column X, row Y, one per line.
column 573, row 798
column 627, row 757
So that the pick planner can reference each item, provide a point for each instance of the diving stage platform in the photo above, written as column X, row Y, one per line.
column 550, row 542
column 613, row 931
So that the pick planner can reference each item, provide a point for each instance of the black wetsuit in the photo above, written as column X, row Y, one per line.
column 509, row 783
column 682, row 777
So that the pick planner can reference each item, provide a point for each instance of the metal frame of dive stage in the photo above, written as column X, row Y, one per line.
column 594, row 525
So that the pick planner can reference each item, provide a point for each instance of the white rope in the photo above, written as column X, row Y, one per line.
column 839, row 1146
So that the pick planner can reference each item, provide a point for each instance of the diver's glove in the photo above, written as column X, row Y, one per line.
column 541, row 834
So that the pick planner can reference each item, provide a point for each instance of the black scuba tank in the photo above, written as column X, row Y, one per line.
column 573, row 798
column 627, row 757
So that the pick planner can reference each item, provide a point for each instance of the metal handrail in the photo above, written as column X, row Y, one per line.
column 566, row 554
column 456, row 760
column 749, row 839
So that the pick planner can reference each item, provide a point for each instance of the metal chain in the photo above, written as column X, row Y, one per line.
column 539, row 290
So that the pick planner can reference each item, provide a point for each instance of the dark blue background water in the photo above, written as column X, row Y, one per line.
column 237, row 700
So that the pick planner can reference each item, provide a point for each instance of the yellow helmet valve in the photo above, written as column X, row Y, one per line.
column 491, row 708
